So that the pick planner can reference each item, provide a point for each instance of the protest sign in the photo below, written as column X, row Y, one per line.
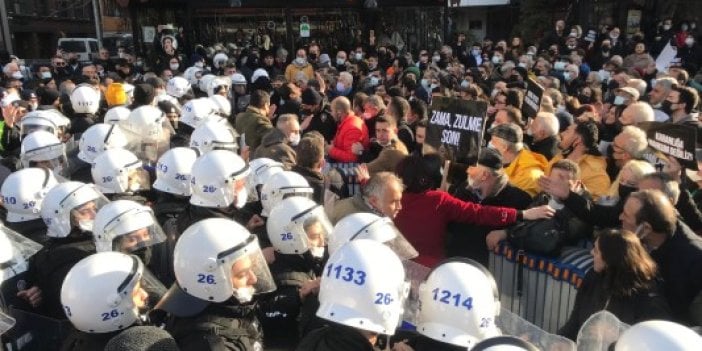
column 665, row 58
column 532, row 99
column 674, row 140
column 456, row 128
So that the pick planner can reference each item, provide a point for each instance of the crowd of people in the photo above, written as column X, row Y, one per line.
column 251, row 198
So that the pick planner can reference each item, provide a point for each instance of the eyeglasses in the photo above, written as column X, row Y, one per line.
column 59, row 63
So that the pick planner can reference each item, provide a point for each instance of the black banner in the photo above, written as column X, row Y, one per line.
column 674, row 140
column 532, row 99
column 456, row 128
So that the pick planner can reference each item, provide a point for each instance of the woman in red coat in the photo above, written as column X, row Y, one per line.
column 426, row 211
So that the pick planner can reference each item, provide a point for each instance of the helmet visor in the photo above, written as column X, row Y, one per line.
column 313, row 225
column 6, row 323
column 248, row 268
column 385, row 231
column 133, row 230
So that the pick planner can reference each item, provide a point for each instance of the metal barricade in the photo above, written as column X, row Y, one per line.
column 347, row 171
column 539, row 289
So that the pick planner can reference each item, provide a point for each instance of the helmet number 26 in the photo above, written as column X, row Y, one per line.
column 449, row 298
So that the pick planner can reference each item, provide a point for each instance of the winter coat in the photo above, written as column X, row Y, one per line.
column 525, row 170
column 593, row 173
column 254, row 125
column 351, row 130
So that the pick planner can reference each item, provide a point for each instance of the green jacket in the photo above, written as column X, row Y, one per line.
column 253, row 125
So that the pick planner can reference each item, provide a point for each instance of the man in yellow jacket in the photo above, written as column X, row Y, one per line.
column 299, row 66
column 579, row 144
column 523, row 167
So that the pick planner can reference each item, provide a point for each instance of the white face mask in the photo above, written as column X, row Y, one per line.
column 199, row 64
column 689, row 41
column 436, row 58
column 465, row 84
column 425, row 82
column 174, row 66
column 359, row 56
column 374, row 81
column 619, row 100
column 522, row 65
column 496, row 60
column 86, row 226
column 555, row 204
column 45, row 75
column 300, row 61
column 241, row 197
column 666, row 27
column 244, row 295
column 294, row 139
column 17, row 75
column 340, row 62
column 317, row 251
column 566, row 76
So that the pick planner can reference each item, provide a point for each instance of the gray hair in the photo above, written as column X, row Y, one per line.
column 549, row 122
column 636, row 141
column 669, row 186
column 667, row 83
column 379, row 182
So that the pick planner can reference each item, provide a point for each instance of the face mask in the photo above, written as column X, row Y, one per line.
column 317, row 251
column 244, row 295
column 73, row 61
column 683, row 27
column 241, row 197
column 300, row 61
column 436, row 58
column 45, row 75
column 475, row 52
column 614, row 36
column 522, row 65
column 86, row 226
column 567, row 76
column 559, row 66
column 340, row 62
column 358, row 56
column 619, row 100
column 34, row 106
column 174, row 66
column 17, row 75
column 465, row 84
column 294, row 139
column 144, row 254
column 604, row 75
column 340, row 87
column 496, row 60
column 584, row 99
column 554, row 204
column 666, row 27
column 199, row 64
column 689, row 41
column 139, row 63
column 425, row 83
column 625, row 191
column 374, row 81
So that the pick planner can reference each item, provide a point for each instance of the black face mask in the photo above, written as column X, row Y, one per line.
column 144, row 254
column 625, row 191
column 667, row 107
column 73, row 61
column 312, row 57
column 613, row 85
column 584, row 99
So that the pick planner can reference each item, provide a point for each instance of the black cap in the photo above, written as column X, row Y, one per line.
column 509, row 132
column 490, row 158
column 311, row 97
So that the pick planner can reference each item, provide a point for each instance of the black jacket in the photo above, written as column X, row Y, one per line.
column 49, row 267
column 423, row 343
column 324, row 123
column 316, row 181
column 335, row 338
column 34, row 229
column 547, row 147
column 80, row 341
column 468, row 240
column 689, row 211
column 595, row 214
column 679, row 262
column 593, row 296
column 223, row 326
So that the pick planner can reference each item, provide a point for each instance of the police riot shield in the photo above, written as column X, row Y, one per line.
column 6, row 323
column 511, row 324
column 415, row 273
column 600, row 331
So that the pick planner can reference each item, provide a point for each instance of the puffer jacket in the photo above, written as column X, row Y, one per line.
column 525, row 170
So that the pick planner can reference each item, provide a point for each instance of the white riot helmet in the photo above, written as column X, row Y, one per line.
column 148, row 132
column 658, row 335
column 99, row 138
column 222, row 105
column 363, row 286
column 177, row 87
column 118, row 171
column 43, row 149
column 85, row 99
column 39, row 120
column 214, row 267
column 173, row 170
column 258, row 74
column 238, row 79
column 192, row 75
column 126, row 226
column 215, row 177
column 219, row 60
column 129, row 90
column 369, row 226
column 195, row 112
column 204, row 83
column 458, row 303
column 117, row 114
column 23, row 193
column 294, row 223
column 281, row 186
column 15, row 251
column 504, row 343
column 261, row 169
column 98, row 293
column 216, row 84
column 214, row 135
column 71, row 204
